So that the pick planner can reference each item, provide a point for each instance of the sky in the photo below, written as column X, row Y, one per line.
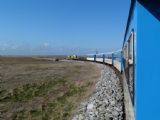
column 52, row 27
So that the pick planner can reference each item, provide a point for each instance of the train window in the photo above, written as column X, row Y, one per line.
column 131, row 49
column 128, row 58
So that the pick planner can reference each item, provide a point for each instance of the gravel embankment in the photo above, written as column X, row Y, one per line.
column 106, row 103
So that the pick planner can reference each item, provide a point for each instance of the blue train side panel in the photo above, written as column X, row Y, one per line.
column 144, row 20
column 132, row 28
column 147, row 68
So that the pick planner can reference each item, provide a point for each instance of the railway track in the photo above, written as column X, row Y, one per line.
column 106, row 103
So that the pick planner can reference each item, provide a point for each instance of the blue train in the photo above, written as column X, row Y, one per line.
column 139, row 61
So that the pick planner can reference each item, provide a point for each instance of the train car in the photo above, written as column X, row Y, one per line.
column 139, row 61
column 110, row 58
column 72, row 57
column 141, row 64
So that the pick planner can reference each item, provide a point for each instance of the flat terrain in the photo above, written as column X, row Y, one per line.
column 38, row 89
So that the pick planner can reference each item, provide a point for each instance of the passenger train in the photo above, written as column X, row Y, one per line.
column 138, row 61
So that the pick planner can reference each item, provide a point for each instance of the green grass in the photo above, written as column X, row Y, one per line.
column 29, row 91
column 22, row 115
column 35, row 113
column 40, row 91
column 58, row 109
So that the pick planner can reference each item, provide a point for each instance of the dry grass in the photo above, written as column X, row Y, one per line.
column 34, row 89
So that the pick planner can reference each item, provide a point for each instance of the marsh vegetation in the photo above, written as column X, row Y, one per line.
column 35, row 89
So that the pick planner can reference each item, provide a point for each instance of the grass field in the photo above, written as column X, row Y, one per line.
column 35, row 89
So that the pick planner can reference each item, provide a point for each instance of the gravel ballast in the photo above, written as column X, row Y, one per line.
column 106, row 103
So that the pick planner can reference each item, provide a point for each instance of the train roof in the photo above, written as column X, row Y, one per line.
column 153, row 6
column 129, row 19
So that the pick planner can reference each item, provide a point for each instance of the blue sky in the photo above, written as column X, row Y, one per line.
column 46, row 27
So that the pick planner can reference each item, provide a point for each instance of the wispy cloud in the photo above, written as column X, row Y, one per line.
column 46, row 44
column 6, row 46
column 46, row 48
